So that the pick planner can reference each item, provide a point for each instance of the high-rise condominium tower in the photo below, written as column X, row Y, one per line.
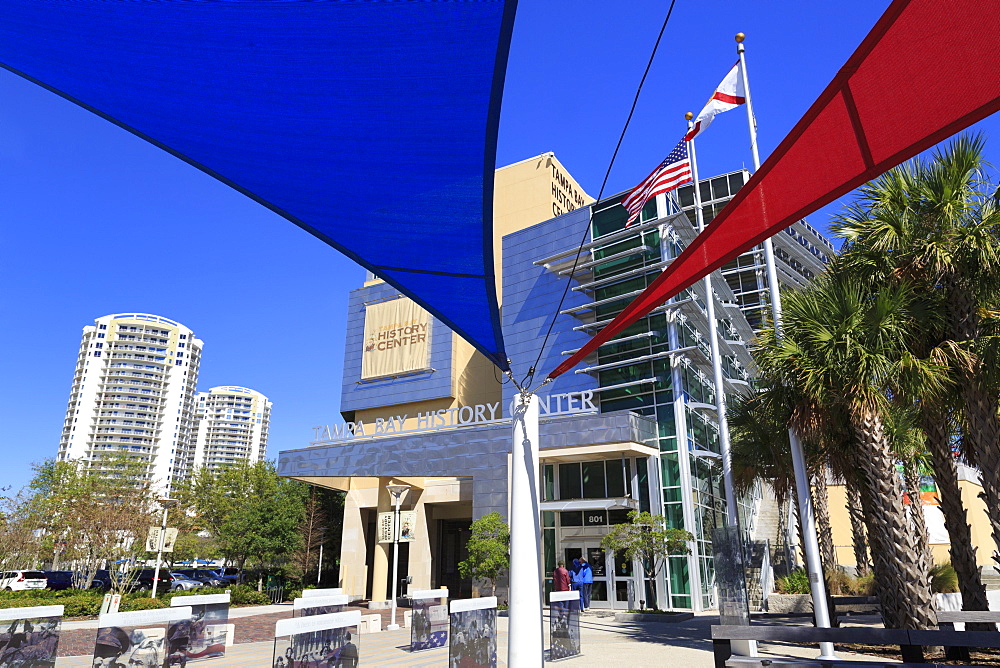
column 232, row 426
column 134, row 393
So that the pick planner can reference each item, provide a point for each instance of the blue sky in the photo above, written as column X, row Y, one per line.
column 95, row 221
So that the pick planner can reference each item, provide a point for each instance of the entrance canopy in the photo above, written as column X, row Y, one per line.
column 372, row 125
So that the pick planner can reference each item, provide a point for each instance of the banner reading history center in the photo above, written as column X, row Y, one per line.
column 397, row 338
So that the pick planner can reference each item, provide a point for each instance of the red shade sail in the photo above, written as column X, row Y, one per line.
column 925, row 72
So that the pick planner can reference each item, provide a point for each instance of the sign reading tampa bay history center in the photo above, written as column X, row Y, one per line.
column 397, row 338
column 458, row 416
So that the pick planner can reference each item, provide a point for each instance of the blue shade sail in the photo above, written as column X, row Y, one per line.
column 370, row 124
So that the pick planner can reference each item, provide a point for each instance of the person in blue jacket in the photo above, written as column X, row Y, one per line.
column 585, row 580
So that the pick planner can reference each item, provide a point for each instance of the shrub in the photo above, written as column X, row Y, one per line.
column 944, row 579
column 143, row 603
column 864, row 585
column 796, row 582
column 245, row 595
column 839, row 583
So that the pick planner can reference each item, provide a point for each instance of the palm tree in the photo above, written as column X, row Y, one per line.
column 937, row 223
column 841, row 349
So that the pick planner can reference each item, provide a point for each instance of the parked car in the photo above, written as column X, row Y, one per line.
column 22, row 580
column 230, row 574
column 206, row 576
column 57, row 580
column 181, row 582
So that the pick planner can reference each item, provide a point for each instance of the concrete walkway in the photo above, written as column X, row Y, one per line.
column 606, row 644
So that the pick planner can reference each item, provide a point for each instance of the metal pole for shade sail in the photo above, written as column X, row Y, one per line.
column 524, row 639
column 806, row 515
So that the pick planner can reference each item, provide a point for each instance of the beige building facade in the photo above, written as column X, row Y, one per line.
column 459, row 387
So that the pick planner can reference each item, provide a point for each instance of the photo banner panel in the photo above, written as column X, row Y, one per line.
column 318, row 605
column 318, row 641
column 429, row 621
column 564, row 624
column 30, row 636
column 397, row 339
column 473, row 633
column 140, row 639
column 203, row 635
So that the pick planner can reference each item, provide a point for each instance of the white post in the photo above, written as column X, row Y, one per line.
column 732, row 516
column 397, row 491
column 811, row 548
column 524, row 640
column 159, row 550
column 319, row 567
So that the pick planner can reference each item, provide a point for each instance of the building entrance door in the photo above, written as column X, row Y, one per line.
column 604, row 592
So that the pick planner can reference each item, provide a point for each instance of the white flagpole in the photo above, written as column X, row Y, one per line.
column 814, row 568
column 732, row 516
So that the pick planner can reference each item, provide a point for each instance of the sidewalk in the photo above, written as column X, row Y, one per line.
column 605, row 643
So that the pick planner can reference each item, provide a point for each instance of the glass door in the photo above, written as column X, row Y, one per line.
column 596, row 557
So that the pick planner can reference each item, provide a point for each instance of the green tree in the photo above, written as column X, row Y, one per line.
column 843, row 349
column 647, row 539
column 488, row 550
column 95, row 513
column 253, row 513
column 937, row 223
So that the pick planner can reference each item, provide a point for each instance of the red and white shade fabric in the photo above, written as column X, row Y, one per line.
column 729, row 95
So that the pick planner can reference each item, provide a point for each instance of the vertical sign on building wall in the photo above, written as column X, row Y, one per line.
column 397, row 338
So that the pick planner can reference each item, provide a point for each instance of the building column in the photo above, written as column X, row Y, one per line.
column 382, row 564
column 353, row 550
column 420, row 549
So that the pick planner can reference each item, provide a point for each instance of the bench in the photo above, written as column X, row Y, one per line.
column 947, row 620
column 911, row 643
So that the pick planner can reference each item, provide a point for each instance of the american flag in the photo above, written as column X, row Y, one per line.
column 672, row 172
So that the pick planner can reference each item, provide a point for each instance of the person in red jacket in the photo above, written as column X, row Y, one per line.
column 560, row 577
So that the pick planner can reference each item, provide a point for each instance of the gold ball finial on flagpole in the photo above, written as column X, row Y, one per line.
column 688, row 116
column 740, row 37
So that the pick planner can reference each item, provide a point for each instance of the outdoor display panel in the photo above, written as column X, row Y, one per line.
column 142, row 639
column 311, row 593
column 429, row 623
column 317, row 641
column 318, row 605
column 564, row 624
column 473, row 631
column 30, row 636
column 730, row 576
column 206, row 628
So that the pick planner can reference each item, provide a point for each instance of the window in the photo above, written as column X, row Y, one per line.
column 184, row 336
column 97, row 353
column 101, row 335
column 569, row 482
column 180, row 345
column 102, row 326
column 593, row 480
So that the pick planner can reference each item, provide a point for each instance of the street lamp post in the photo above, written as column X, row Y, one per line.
column 397, row 491
column 167, row 504
column 319, row 567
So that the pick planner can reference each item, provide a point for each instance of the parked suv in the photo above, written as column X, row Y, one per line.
column 58, row 580
column 102, row 580
column 142, row 580
column 21, row 580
